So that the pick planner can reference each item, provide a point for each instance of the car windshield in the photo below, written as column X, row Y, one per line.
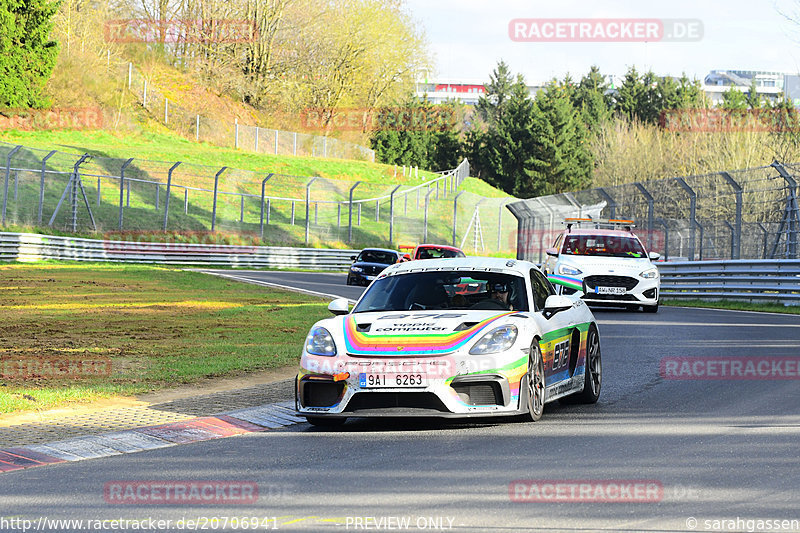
column 443, row 290
column 436, row 253
column 376, row 256
column 603, row 245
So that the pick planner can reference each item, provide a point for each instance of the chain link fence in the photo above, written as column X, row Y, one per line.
column 739, row 214
column 86, row 194
column 251, row 138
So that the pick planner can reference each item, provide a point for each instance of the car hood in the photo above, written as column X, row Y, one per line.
column 609, row 265
column 413, row 333
column 369, row 264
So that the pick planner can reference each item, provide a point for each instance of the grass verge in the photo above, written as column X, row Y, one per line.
column 736, row 306
column 156, row 326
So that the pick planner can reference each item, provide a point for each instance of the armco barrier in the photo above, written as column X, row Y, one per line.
column 758, row 280
column 28, row 247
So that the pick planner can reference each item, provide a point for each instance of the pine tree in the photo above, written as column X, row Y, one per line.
column 27, row 56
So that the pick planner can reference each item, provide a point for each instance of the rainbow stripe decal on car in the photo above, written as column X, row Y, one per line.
column 566, row 281
column 513, row 372
column 363, row 344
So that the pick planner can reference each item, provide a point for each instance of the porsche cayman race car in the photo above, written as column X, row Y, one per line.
column 459, row 337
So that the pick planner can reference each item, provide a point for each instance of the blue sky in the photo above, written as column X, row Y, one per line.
column 468, row 37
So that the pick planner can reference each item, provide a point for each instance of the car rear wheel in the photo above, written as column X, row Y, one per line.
column 535, row 382
column 593, row 377
column 325, row 422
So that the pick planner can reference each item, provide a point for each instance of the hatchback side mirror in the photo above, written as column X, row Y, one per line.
column 654, row 256
column 551, row 252
column 340, row 306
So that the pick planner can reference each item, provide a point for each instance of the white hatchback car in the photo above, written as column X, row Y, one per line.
column 604, row 263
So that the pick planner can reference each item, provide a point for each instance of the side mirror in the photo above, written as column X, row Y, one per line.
column 406, row 257
column 339, row 306
column 352, row 258
column 654, row 256
column 556, row 303
column 551, row 252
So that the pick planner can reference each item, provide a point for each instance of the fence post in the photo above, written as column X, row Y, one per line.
column 391, row 214
column 612, row 205
column 666, row 237
column 241, row 209
column 98, row 192
column 185, row 201
column 791, row 215
column 276, row 142
column 8, row 175
column 256, row 146
column 308, row 198
column 350, row 215
column 338, row 214
column 169, row 186
column 455, row 216
column 236, row 132
column 214, row 206
column 122, row 188
column 649, row 198
column 766, row 238
column 736, row 242
column 158, row 193
column 263, row 185
column 294, row 144
column 377, row 210
column 292, row 221
column 425, row 230
column 692, row 217
column 41, row 184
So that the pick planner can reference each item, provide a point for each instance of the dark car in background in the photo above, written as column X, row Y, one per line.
column 370, row 262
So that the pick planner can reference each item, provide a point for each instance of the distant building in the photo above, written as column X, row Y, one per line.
column 468, row 92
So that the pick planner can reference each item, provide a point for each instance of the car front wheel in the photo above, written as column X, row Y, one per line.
column 535, row 382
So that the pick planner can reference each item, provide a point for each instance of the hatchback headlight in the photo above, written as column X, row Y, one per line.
column 356, row 269
column 568, row 270
column 320, row 342
column 649, row 273
column 498, row 340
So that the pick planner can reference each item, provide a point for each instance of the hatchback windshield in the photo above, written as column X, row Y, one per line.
column 376, row 256
column 603, row 245
column 442, row 290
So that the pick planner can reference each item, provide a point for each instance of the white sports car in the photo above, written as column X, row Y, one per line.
column 450, row 337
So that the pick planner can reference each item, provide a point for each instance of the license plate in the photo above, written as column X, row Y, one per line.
column 609, row 290
column 369, row 278
column 388, row 380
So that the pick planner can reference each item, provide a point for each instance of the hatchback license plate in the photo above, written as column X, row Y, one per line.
column 610, row 290
column 370, row 381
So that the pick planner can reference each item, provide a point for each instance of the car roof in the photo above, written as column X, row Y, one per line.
column 443, row 246
column 380, row 250
column 483, row 264
column 612, row 232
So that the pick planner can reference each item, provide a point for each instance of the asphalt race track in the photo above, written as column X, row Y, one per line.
column 658, row 452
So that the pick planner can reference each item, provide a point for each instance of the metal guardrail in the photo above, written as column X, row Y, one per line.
column 28, row 247
column 758, row 280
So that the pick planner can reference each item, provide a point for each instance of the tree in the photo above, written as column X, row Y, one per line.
column 27, row 55
column 733, row 99
column 561, row 159
column 591, row 99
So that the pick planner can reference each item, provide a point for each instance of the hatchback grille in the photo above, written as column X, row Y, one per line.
column 611, row 281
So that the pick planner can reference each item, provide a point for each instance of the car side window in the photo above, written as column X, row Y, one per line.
column 541, row 289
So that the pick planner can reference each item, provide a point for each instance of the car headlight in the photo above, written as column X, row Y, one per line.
column 356, row 269
column 568, row 270
column 320, row 342
column 649, row 273
column 498, row 340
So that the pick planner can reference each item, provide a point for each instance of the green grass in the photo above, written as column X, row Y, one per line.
column 328, row 227
column 736, row 305
column 158, row 326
